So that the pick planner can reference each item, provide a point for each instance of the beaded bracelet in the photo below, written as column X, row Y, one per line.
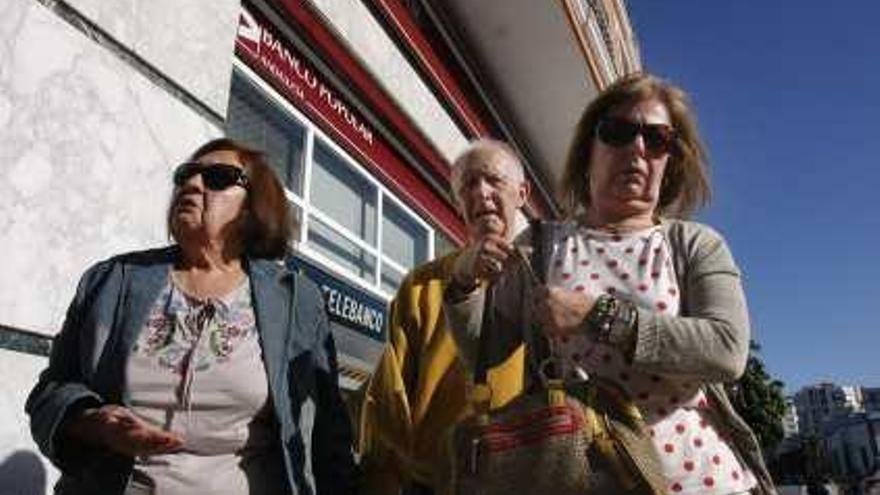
column 612, row 320
column 601, row 317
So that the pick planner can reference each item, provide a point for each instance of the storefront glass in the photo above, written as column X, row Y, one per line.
column 349, row 220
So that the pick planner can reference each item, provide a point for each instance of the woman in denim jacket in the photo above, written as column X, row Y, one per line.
column 205, row 367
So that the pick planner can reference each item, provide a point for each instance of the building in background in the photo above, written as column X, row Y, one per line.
column 361, row 105
column 831, row 432
column 790, row 424
column 871, row 399
column 852, row 445
column 816, row 404
column 853, row 400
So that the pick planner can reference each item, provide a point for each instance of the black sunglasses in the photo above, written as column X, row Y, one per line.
column 617, row 132
column 215, row 176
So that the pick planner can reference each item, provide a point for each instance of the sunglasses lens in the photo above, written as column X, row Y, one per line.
column 183, row 172
column 658, row 139
column 215, row 177
column 617, row 132
column 219, row 177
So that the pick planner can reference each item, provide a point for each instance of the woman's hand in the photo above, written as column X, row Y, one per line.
column 120, row 430
column 483, row 259
column 561, row 311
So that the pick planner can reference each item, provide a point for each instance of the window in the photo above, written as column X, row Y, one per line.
column 403, row 239
column 350, row 221
column 442, row 245
column 343, row 195
column 255, row 120
column 345, row 203
column 405, row 244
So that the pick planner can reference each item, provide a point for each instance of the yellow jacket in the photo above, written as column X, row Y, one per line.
column 419, row 388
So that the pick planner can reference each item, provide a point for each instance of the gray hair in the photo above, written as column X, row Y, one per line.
column 488, row 150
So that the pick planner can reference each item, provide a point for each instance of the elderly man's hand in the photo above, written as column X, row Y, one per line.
column 120, row 430
column 482, row 259
column 561, row 311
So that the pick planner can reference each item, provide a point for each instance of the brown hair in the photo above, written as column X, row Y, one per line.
column 267, row 224
column 685, row 186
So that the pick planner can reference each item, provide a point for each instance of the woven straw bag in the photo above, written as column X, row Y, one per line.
column 559, row 438
column 556, row 441
column 539, row 441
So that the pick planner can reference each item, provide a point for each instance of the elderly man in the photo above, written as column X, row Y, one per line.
column 420, row 387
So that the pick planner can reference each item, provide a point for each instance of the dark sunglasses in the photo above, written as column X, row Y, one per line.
column 215, row 176
column 616, row 132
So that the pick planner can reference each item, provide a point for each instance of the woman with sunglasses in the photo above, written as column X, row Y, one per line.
column 638, row 296
column 204, row 367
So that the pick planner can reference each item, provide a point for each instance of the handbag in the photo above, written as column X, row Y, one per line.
column 557, row 438
column 539, row 441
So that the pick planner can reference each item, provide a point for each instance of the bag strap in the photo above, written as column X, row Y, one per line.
column 537, row 344
column 482, row 365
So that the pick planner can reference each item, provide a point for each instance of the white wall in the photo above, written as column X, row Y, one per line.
column 87, row 143
column 367, row 39
column 22, row 471
column 190, row 41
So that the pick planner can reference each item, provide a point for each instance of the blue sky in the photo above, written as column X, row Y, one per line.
column 788, row 99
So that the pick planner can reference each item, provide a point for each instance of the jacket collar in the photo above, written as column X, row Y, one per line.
column 146, row 277
column 145, row 274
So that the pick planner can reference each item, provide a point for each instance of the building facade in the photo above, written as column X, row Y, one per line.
column 852, row 445
column 790, row 424
column 871, row 399
column 853, row 398
column 817, row 404
column 361, row 106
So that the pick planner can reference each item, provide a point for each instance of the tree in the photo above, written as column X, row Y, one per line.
column 758, row 398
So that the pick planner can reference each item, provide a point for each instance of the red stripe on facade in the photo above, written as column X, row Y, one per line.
column 381, row 159
column 431, row 63
column 445, row 82
column 341, row 59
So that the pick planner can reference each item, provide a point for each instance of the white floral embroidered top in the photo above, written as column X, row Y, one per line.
column 197, row 370
column 638, row 267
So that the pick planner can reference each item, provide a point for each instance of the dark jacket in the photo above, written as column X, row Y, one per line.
column 89, row 356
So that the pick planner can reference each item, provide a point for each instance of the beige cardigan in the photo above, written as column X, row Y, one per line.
column 708, row 342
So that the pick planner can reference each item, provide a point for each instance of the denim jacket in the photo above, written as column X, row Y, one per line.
column 89, row 355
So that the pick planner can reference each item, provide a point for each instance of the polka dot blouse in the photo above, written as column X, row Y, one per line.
column 638, row 267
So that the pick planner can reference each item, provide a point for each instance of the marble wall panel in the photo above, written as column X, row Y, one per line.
column 192, row 42
column 86, row 149
column 23, row 470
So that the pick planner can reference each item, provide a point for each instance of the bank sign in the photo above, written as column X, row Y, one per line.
column 259, row 44
column 346, row 305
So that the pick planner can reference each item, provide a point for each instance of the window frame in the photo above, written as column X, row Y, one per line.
column 308, row 211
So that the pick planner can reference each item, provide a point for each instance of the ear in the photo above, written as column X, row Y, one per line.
column 525, row 188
